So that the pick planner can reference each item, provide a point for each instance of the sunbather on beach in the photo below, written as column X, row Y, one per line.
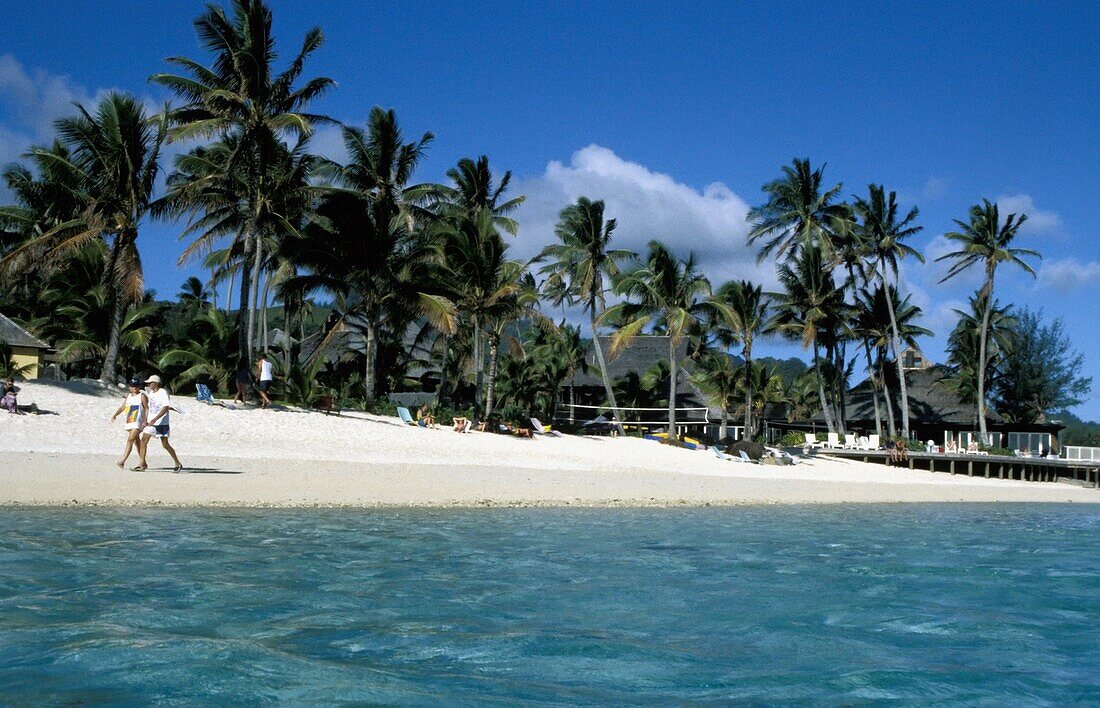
column 9, row 399
column 136, row 406
column 424, row 417
column 459, row 424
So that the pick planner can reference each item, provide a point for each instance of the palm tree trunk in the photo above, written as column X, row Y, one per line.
column 873, row 377
column 983, row 353
column 671, row 388
column 895, row 343
column 821, row 390
column 244, row 348
column 442, row 395
column 478, row 372
column 263, row 311
column 229, row 290
column 723, row 427
column 887, row 396
column 369, row 374
column 490, row 384
column 286, row 338
column 118, row 309
column 254, row 292
column 604, row 376
column 748, row 393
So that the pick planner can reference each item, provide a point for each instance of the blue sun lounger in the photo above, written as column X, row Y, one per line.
column 405, row 415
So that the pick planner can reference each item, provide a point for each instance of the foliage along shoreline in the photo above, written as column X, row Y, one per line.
column 421, row 275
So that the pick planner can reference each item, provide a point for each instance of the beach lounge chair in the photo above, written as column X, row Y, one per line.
column 784, row 455
column 745, row 458
column 850, row 441
column 874, row 442
column 728, row 458
column 540, row 429
column 406, row 417
column 811, row 442
column 833, row 443
column 203, row 394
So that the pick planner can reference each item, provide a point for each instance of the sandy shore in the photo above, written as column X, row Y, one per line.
column 288, row 458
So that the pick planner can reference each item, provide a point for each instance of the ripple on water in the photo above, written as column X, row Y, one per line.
column 924, row 603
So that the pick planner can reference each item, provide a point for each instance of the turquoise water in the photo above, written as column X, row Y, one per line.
column 933, row 603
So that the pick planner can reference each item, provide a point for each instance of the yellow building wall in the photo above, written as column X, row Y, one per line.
column 26, row 356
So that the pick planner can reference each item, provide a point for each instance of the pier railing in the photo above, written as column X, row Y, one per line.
column 1078, row 453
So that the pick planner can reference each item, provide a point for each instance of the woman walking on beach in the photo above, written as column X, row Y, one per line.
column 157, row 427
column 135, row 405
column 9, row 396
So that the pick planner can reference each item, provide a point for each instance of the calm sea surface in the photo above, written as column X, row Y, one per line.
column 959, row 604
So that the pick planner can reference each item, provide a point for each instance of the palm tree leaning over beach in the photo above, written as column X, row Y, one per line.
column 668, row 294
column 988, row 241
column 579, row 265
column 885, row 234
column 115, row 155
column 241, row 93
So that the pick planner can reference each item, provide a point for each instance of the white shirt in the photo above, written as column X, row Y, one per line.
column 266, row 371
column 158, row 400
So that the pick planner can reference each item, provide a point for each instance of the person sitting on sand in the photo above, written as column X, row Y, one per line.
column 135, row 405
column 9, row 397
column 424, row 417
column 159, row 407
column 459, row 424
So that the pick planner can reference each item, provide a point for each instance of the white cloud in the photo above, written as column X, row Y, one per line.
column 1065, row 274
column 1039, row 222
column 647, row 205
column 935, row 187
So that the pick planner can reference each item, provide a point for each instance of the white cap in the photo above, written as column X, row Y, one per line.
column 153, row 379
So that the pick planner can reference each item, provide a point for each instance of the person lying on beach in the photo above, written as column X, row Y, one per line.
column 159, row 406
column 135, row 405
column 459, row 424
column 9, row 399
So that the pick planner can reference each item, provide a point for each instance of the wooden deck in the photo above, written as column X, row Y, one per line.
column 1026, row 469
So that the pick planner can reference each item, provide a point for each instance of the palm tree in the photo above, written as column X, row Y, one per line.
column 115, row 155
column 520, row 303
column 885, row 234
column 748, row 306
column 877, row 314
column 241, row 94
column 964, row 344
column 482, row 280
column 799, row 213
column 718, row 378
column 669, row 294
column 984, row 239
column 355, row 250
column 473, row 190
column 579, row 264
column 811, row 301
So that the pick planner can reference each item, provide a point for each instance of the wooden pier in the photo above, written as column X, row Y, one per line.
column 1025, row 469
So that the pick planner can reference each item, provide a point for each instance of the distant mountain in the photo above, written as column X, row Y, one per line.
column 1078, row 432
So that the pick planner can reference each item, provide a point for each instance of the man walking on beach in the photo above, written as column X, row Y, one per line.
column 267, row 376
column 159, row 407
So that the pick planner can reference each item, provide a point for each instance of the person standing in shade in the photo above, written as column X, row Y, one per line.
column 158, row 426
column 134, row 406
column 267, row 377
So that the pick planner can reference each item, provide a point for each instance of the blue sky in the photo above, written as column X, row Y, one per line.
column 674, row 113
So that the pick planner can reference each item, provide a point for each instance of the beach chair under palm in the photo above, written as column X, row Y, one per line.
column 833, row 442
column 850, row 441
column 812, row 442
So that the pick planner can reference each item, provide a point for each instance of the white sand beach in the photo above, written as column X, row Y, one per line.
column 253, row 457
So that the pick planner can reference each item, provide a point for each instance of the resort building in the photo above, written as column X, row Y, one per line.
column 28, row 352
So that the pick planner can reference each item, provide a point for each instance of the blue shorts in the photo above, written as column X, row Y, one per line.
column 157, row 431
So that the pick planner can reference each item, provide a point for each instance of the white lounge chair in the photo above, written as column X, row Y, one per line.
column 850, row 441
column 540, row 429
column 728, row 458
column 746, row 458
column 812, row 442
column 833, row 443
column 874, row 442
column 784, row 455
